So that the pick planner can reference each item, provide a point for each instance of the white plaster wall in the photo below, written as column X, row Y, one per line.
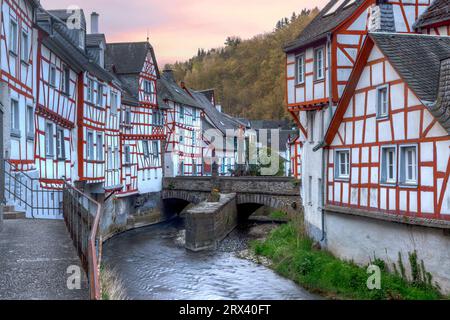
column 360, row 239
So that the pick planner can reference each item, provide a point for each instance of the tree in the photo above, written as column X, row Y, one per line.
column 233, row 41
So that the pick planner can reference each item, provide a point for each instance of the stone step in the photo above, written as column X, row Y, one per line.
column 14, row 215
column 9, row 208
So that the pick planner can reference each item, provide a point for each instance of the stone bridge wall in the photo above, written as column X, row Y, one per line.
column 270, row 186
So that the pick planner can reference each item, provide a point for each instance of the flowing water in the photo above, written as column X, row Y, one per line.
column 153, row 264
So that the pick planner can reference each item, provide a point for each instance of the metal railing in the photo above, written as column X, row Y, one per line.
column 26, row 193
column 82, row 215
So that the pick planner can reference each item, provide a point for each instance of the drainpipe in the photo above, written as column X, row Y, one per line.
column 324, row 150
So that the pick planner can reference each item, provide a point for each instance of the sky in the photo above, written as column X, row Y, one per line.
column 178, row 28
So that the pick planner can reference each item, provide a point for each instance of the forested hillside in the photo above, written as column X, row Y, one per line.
column 248, row 75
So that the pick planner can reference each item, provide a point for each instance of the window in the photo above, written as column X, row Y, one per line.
column 408, row 166
column 310, row 190
column 155, row 149
column 181, row 112
column 127, row 155
column 116, row 157
column 24, row 46
column 194, row 138
column 90, row 90
column 146, row 149
column 114, row 103
column 100, row 95
column 382, row 102
column 60, row 144
column 127, row 117
column 30, row 123
column 110, row 159
column 342, row 164
column 15, row 118
column 100, row 147
column 52, row 75
column 157, row 118
column 65, row 81
column 13, row 36
column 181, row 136
column 319, row 66
column 90, row 146
column 311, row 120
column 194, row 115
column 389, row 165
column 300, row 69
column 148, row 87
column 49, row 148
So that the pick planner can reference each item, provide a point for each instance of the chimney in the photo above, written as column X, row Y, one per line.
column 219, row 107
column 94, row 22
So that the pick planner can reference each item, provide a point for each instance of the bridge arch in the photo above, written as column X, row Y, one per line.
column 256, row 201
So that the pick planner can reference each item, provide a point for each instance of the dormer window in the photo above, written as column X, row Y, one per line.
column 300, row 69
column 319, row 64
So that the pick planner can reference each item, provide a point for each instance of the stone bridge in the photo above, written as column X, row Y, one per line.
column 279, row 193
column 208, row 223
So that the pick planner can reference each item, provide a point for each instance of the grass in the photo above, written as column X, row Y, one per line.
column 294, row 257
column 278, row 215
column 112, row 287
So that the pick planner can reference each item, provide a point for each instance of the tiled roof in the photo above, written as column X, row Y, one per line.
column 220, row 120
column 439, row 11
column 168, row 89
column 127, row 57
column 323, row 23
column 441, row 109
column 65, row 14
column 417, row 58
column 94, row 40
column 62, row 40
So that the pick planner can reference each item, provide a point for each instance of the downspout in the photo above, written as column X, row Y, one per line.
column 325, row 151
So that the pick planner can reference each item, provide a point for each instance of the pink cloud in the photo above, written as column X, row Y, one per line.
column 177, row 28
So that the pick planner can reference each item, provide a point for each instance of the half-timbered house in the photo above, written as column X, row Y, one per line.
column 224, row 136
column 142, row 132
column 388, row 154
column 184, row 145
column 318, row 65
column 435, row 20
column 18, row 56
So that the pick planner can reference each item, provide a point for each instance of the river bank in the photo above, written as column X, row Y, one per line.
column 153, row 264
column 295, row 257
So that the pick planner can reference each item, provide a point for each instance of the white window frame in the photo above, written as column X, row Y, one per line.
column 13, row 35
column 29, row 121
column 15, row 118
column 339, row 175
column 49, row 140
column 381, row 113
column 146, row 149
column 60, row 144
column 127, row 154
column 100, row 147
column 385, row 165
column 155, row 149
column 65, row 80
column 182, row 113
column 25, row 46
column 52, row 75
column 100, row 93
column 300, row 62
column 114, row 103
column 110, row 159
column 90, row 145
column 404, row 165
column 319, row 69
column 90, row 90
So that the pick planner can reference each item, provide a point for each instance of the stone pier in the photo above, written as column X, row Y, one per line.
column 208, row 223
